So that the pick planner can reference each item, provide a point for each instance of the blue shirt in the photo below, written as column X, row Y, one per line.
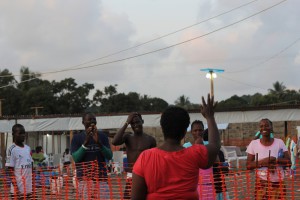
column 84, row 167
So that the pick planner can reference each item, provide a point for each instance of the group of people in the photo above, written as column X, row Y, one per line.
column 169, row 171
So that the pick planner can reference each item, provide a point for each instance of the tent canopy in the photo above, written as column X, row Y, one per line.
column 150, row 120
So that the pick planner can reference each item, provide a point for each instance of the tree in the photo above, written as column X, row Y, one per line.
column 28, row 79
column 6, row 78
column 153, row 104
column 11, row 95
column 234, row 102
column 71, row 98
column 183, row 102
column 278, row 89
column 41, row 95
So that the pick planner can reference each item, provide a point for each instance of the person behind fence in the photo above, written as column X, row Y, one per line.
column 263, row 155
column 89, row 150
column 293, row 153
column 19, row 165
column 66, row 158
column 205, row 184
column 135, row 142
column 220, row 169
column 38, row 157
column 171, row 171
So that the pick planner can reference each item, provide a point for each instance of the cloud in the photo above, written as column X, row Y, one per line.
column 52, row 34
column 49, row 35
column 297, row 59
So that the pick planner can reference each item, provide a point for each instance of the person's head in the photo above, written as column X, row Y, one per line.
column 89, row 119
column 39, row 149
column 174, row 122
column 197, row 128
column 265, row 127
column 67, row 150
column 18, row 132
column 137, row 123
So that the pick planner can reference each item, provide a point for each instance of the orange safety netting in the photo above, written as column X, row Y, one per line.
column 84, row 183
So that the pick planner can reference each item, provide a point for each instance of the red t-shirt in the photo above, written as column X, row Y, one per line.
column 171, row 175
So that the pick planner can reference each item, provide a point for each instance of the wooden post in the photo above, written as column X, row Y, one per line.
column 2, row 139
column 71, row 137
column 59, row 143
column 53, row 143
column 47, row 143
column 1, row 107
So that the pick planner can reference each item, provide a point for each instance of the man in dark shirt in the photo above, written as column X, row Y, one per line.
column 89, row 150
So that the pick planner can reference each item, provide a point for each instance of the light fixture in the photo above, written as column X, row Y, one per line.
column 211, row 74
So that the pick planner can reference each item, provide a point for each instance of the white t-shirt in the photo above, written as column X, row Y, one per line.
column 67, row 158
column 255, row 147
column 20, row 159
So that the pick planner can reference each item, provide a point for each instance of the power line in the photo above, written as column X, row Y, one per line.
column 265, row 61
column 171, row 46
column 167, row 47
column 12, row 84
column 164, row 48
column 242, row 83
column 152, row 40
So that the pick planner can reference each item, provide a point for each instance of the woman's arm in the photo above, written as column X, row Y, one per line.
column 286, row 160
column 139, row 188
column 265, row 162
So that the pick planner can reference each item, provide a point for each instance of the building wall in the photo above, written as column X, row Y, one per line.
column 236, row 134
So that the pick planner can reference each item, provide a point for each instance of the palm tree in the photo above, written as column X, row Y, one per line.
column 183, row 102
column 278, row 89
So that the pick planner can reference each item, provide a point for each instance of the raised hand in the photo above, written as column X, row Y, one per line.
column 207, row 109
column 91, row 133
column 131, row 116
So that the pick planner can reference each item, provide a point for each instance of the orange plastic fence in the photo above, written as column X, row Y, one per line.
column 62, row 183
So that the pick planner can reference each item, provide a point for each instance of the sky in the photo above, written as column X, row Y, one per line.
column 156, row 47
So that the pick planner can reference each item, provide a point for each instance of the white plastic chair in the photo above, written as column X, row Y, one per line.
column 231, row 154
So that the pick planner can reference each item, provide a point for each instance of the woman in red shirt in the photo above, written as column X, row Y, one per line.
column 170, row 171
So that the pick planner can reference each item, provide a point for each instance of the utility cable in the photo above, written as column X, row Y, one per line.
column 164, row 48
column 265, row 61
column 152, row 40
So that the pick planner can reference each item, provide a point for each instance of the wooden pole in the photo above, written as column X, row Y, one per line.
column 37, row 109
column 53, row 143
column 3, row 152
column 1, row 107
column 211, row 84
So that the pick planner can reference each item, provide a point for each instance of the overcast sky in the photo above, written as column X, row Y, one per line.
column 52, row 35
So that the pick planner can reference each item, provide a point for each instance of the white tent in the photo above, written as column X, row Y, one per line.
column 150, row 120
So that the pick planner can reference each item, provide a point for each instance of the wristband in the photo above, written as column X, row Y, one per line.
column 84, row 147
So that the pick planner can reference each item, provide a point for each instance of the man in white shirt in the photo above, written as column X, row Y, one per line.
column 19, row 164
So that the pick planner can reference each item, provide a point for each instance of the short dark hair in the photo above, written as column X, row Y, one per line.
column 140, row 116
column 38, row 149
column 197, row 122
column 174, row 122
column 86, row 114
column 17, row 126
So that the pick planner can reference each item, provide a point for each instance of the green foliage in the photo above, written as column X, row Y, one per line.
column 67, row 97
column 233, row 102
column 111, row 101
